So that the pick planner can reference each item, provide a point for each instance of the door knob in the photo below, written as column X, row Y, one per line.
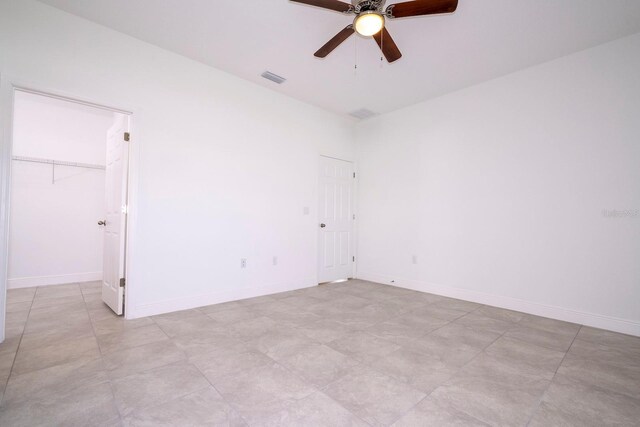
column 323, row 225
column 102, row 222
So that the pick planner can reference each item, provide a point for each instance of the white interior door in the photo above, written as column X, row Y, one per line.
column 336, row 218
column 116, row 175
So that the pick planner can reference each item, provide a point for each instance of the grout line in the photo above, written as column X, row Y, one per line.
column 482, row 351
column 15, row 356
column 537, row 406
column 113, row 394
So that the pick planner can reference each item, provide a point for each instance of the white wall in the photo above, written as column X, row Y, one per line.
column 499, row 189
column 225, row 166
column 53, row 235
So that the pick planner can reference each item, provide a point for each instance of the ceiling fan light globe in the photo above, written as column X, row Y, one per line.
column 368, row 23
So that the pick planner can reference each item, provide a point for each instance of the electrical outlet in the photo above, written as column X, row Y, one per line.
column 275, row 260
column 243, row 263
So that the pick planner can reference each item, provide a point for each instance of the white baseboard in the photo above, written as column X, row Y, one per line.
column 29, row 282
column 185, row 303
column 614, row 324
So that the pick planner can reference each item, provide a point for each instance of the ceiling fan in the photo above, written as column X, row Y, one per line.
column 370, row 20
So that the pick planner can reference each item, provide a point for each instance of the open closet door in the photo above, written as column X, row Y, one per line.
column 116, row 177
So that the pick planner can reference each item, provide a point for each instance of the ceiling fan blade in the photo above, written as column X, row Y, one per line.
column 335, row 42
column 387, row 45
column 421, row 7
column 336, row 5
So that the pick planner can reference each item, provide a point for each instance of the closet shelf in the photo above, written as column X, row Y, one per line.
column 57, row 162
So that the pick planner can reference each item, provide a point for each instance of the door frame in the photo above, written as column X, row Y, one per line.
column 8, row 87
column 354, row 195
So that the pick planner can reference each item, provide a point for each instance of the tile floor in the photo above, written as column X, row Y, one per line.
column 354, row 353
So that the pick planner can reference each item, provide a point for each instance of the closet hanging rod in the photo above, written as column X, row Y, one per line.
column 57, row 162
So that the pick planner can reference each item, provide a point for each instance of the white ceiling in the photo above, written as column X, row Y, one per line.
column 484, row 39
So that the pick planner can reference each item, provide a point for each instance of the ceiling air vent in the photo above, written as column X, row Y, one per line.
column 362, row 113
column 273, row 77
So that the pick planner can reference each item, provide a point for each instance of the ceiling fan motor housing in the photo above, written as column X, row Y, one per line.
column 367, row 5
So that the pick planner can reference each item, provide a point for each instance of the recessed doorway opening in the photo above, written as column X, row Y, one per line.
column 68, row 197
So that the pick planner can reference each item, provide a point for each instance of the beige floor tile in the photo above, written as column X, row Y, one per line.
column 214, row 308
column 10, row 344
column 66, row 351
column 44, row 319
column 262, row 392
column 430, row 413
column 424, row 372
column 610, row 339
column 458, row 334
column 61, row 303
column 493, row 392
column 445, row 354
column 324, row 330
column 17, row 317
column 294, row 318
column 280, row 343
column 599, row 373
column 233, row 315
column 55, row 334
column 88, row 288
column 129, row 338
column 500, row 313
column 318, row 364
column 91, row 405
column 528, row 357
column 13, row 307
column 213, row 342
column 374, row 351
column 98, row 310
column 202, row 408
column 56, row 380
column 319, row 292
column 188, row 324
column 361, row 318
column 622, row 356
column 157, row 386
column 363, row 346
column 444, row 313
column 560, row 341
column 222, row 365
column 457, row 304
column 256, row 300
column 314, row 410
column 6, row 362
column 247, row 330
column 71, row 290
column 20, row 295
column 570, row 403
column 113, row 324
column 181, row 314
column 301, row 301
column 142, row 358
column 478, row 321
column 374, row 397
column 551, row 325
column 406, row 328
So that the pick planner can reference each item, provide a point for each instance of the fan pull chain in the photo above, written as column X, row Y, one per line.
column 355, row 56
column 381, row 48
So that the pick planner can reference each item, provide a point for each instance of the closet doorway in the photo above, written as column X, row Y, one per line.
column 68, row 197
